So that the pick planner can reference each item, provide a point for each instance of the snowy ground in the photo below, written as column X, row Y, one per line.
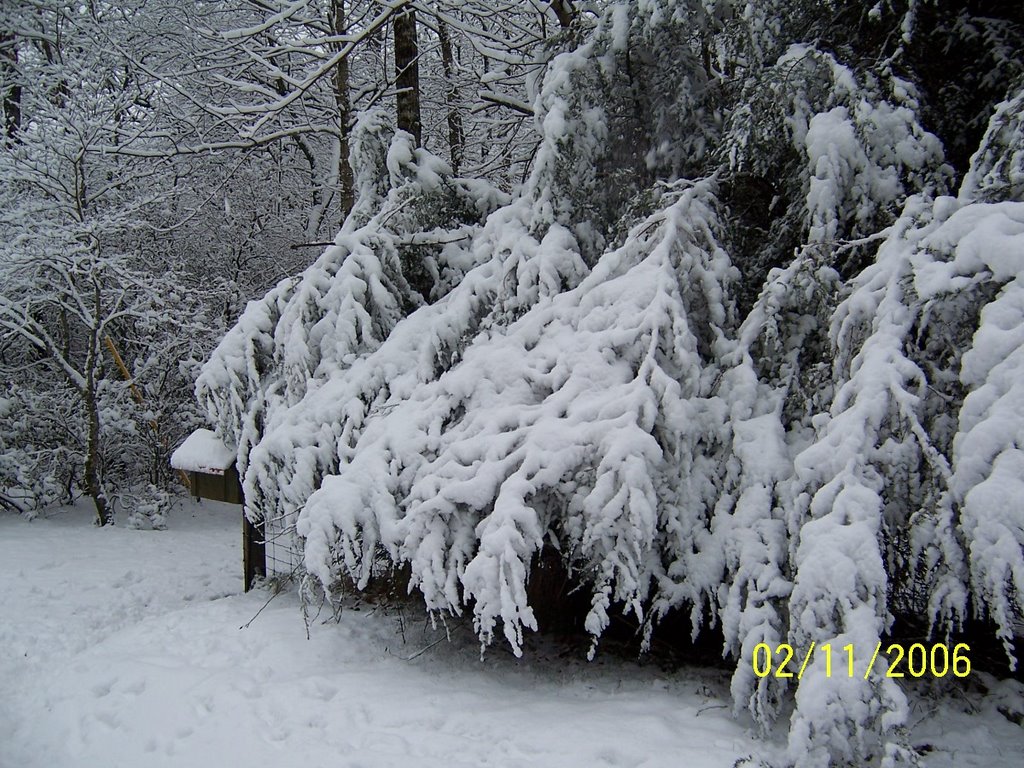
column 126, row 648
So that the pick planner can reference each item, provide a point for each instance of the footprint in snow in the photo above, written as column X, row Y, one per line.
column 103, row 689
column 204, row 705
column 318, row 689
column 136, row 688
column 109, row 719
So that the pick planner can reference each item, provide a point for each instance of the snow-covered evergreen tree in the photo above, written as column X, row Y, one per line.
column 732, row 351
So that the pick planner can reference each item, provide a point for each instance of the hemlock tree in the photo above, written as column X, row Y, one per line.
column 628, row 368
column 783, row 427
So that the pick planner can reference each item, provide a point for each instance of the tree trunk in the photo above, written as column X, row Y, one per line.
column 407, row 74
column 346, row 183
column 93, row 476
column 93, row 483
column 564, row 11
column 456, row 137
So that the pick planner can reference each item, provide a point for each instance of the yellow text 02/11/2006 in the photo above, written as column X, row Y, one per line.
column 917, row 660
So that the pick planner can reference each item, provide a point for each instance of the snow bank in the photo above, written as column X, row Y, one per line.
column 128, row 648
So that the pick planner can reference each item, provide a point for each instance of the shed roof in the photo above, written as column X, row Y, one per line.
column 204, row 452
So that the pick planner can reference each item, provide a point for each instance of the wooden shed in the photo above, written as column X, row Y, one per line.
column 212, row 474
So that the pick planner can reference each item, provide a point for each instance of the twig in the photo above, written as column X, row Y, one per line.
column 250, row 621
column 711, row 706
column 422, row 238
column 424, row 650
column 296, row 246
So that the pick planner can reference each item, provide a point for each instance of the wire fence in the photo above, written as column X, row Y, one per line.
column 283, row 547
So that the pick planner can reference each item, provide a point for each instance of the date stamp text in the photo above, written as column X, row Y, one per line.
column 917, row 660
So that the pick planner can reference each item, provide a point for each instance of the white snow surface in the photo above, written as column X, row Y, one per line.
column 127, row 648
column 203, row 451
column 130, row 648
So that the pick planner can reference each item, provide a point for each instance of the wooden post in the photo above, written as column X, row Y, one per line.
column 254, row 551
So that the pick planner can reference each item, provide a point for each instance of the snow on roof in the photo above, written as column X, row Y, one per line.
column 203, row 451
